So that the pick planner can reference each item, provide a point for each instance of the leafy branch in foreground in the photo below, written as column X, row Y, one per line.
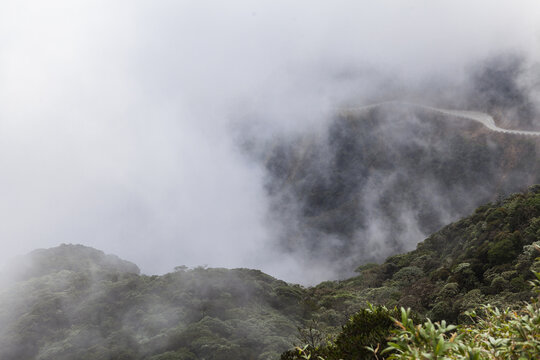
column 494, row 334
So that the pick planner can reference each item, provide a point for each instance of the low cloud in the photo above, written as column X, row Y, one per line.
column 119, row 122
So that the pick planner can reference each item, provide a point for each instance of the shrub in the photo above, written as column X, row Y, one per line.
column 502, row 252
column 368, row 329
column 408, row 275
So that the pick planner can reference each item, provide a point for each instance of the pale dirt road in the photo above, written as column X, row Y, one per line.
column 483, row 118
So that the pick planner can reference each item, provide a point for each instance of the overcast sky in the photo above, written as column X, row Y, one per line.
column 115, row 115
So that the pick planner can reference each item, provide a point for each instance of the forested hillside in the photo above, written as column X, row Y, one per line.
column 74, row 302
column 92, row 312
column 486, row 257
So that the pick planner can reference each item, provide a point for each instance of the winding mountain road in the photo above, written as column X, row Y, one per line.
column 483, row 118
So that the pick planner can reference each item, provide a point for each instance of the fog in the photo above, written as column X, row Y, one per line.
column 119, row 120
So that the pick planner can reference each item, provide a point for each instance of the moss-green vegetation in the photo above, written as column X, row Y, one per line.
column 75, row 302
column 369, row 327
column 491, row 334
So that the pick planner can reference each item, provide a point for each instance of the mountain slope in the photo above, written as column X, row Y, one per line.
column 372, row 183
column 486, row 257
column 75, row 304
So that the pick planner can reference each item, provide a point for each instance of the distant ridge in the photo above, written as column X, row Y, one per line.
column 70, row 257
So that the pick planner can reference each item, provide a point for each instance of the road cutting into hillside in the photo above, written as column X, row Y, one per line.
column 483, row 118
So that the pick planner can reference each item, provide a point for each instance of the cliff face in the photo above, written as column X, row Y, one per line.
column 375, row 183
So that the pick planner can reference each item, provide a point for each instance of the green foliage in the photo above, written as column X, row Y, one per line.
column 429, row 341
column 501, row 252
column 86, row 312
column 408, row 275
column 365, row 331
column 494, row 334
column 367, row 328
column 491, row 251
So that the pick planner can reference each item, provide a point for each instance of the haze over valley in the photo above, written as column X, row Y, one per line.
column 218, row 180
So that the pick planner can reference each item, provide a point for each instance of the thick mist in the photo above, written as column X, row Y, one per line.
column 375, row 181
column 132, row 126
